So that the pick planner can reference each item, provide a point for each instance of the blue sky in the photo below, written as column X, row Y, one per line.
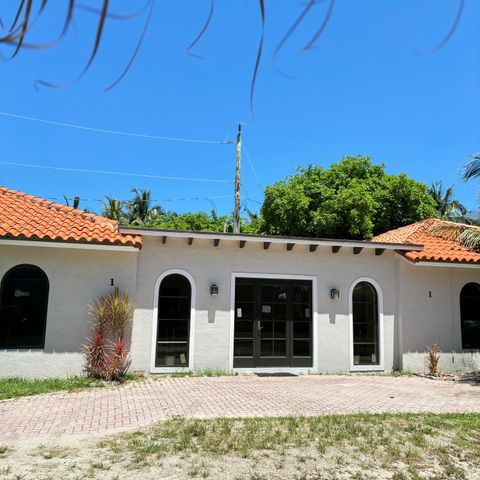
column 365, row 89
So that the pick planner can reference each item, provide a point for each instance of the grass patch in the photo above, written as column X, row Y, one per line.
column 405, row 442
column 402, row 373
column 14, row 387
column 210, row 372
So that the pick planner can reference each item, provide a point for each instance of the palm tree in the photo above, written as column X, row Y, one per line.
column 140, row 208
column 466, row 235
column 447, row 207
column 113, row 209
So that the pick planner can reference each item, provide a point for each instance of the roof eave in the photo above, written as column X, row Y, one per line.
column 148, row 232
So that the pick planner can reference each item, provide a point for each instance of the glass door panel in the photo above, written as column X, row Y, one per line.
column 273, row 323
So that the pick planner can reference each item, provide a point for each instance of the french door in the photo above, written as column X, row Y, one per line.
column 273, row 323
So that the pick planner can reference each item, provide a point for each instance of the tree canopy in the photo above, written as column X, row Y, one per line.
column 352, row 199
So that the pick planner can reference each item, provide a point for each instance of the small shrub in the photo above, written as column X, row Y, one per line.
column 95, row 352
column 433, row 359
column 106, row 351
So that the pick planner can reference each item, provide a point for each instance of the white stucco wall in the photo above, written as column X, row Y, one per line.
column 411, row 317
column 429, row 312
column 76, row 277
column 208, row 264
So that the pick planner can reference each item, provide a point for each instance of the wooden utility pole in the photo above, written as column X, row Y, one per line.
column 236, row 210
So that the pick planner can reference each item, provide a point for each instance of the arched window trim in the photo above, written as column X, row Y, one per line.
column 381, row 364
column 47, row 294
column 191, row 343
column 461, row 319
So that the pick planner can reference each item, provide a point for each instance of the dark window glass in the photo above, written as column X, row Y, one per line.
column 173, row 330
column 365, row 325
column 243, row 348
column 23, row 308
column 244, row 293
column 470, row 315
column 301, row 348
column 244, row 329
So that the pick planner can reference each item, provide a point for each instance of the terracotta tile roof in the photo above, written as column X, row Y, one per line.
column 24, row 217
column 436, row 249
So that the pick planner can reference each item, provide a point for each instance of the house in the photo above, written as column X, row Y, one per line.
column 232, row 301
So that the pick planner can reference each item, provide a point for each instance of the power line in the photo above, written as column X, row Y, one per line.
column 114, row 132
column 259, row 183
column 103, row 172
column 153, row 200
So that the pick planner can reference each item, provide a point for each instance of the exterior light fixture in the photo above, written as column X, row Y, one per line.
column 334, row 294
column 213, row 290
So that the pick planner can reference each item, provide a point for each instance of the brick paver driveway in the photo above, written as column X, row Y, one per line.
column 139, row 404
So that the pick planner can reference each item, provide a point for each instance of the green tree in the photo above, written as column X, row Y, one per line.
column 140, row 210
column 352, row 199
column 114, row 209
column 447, row 207
column 199, row 221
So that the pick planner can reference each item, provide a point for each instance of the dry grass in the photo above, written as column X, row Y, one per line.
column 360, row 447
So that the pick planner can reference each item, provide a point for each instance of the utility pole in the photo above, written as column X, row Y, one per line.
column 236, row 210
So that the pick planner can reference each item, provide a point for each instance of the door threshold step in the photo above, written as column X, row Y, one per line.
column 276, row 374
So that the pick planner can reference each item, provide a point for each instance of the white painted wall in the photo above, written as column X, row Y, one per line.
column 77, row 277
column 411, row 317
column 436, row 319
column 208, row 264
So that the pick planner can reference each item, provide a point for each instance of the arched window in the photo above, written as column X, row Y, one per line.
column 23, row 307
column 470, row 315
column 366, row 347
column 173, row 328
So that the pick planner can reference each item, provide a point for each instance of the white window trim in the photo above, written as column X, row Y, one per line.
column 381, row 365
column 275, row 276
column 191, row 350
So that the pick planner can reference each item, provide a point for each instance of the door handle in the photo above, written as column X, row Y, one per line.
column 259, row 325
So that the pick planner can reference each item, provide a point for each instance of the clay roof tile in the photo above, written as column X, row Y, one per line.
column 436, row 248
column 23, row 216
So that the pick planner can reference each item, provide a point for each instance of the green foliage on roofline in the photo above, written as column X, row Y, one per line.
column 351, row 199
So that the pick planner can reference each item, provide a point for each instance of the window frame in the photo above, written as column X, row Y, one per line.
column 191, row 337
column 466, row 349
column 381, row 363
column 45, row 313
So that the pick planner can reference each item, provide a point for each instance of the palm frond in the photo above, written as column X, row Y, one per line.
column 202, row 31
column 261, row 4
column 466, row 235
column 472, row 168
column 452, row 30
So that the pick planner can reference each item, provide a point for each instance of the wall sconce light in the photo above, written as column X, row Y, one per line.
column 334, row 294
column 213, row 290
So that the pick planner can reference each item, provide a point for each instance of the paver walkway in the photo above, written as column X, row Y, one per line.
column 139, row 404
